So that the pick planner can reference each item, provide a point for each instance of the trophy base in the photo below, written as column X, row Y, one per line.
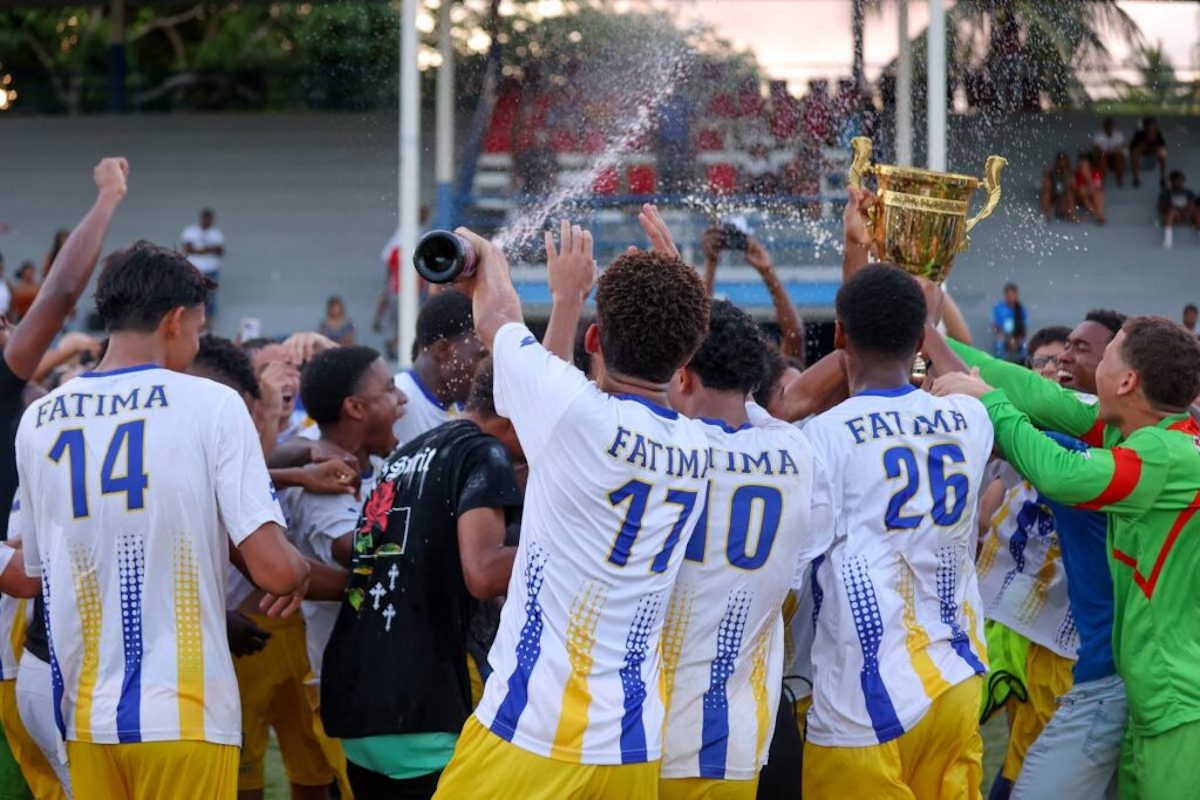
column 919, row 371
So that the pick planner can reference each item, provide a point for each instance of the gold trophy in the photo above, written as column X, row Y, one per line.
column 920, row 222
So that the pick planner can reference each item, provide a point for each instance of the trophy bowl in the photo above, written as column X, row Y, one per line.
column 920, row 222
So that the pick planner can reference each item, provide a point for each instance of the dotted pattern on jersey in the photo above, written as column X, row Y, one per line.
column 91, row 617
column 189, row 640
column 868, row 623
column 529, row 647
column 56, row 678
column 637, row 645
column 715, row 728
column 949, row 559
column 758, row 684
column 670, row 643
column 131, row 564
column 1068, row 634
column 818, row 594
column 586, row 608
column 1033, row 603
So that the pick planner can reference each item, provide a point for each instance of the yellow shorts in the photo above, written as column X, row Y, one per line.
column 29, row 757
column 271, row 683
column 153, row 771
column 802, row 707
column 334, row 755
column 1048, row 676
column 484, row 765
column 706, row 789
column 941, row 758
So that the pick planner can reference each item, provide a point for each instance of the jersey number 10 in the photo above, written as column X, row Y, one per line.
column 901, row 462
column 130, row 437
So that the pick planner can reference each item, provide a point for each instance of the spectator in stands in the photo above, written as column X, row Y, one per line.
column 204, row 245
column 1110, row 150
column 536, row 166
column 60, row 238
column 758, row 175
column 24, row 290
column 1148, row 148
column 1190, row 313
column 1009, row 324
column 1089, row 187
column 1058, row 189
column 675, row 144
column 815, row 113
column 1177, row 203
column 1045, row 347
column 337, row 324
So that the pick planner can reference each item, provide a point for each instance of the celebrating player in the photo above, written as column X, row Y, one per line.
column 133, row 477
column 898, row 650
column 616, row 478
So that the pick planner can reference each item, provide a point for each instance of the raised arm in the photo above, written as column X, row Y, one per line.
column 792, row 342
column 69, row 275
column 571, row 272
column 494, row 298
column 857, row 253
column 819, row 388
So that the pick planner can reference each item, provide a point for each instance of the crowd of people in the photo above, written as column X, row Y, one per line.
column 651, row 554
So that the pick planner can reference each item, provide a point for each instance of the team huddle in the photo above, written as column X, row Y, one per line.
column 670, row 552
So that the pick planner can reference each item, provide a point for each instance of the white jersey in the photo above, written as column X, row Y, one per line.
column 423, row 411
column 723, row 644
column 800, row 616
column 615, row 484
column 14, row 611
column 314, row 522
column 128, row 480
column 1021, row 575
column 901, row 620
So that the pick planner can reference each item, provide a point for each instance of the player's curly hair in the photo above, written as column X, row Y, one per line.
column 733, row 355
column 652, row 312
column 483, row 395
column 332, row 376
column 1166, row 357
column 445, row 315
column 1113, row 320
column 221, row 356
column 882, row 311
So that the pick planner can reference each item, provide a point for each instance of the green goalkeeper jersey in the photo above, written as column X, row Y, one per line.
column 1149, row 485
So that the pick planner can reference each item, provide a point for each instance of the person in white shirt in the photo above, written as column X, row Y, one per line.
column 134, row 479
column 1110, row 145
column 204, row 245
column 448, row 352
column 5, row 290
column 616, row 478
column 898, row 651
column 723, row 644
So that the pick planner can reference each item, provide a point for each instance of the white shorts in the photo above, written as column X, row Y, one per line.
column 35, row 704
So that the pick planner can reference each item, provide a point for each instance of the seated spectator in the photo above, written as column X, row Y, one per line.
column 1089, row 187
column 1148, row 148
column 1190, row 315
column 24, row 290
column 337, row 324
column 1110, row 151
column 1009, row 325
column 1058, row 189
column 1177, row 203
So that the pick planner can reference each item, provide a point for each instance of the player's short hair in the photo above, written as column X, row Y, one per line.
column 774, row 365
column 446, row 315
column 139, row 284
column 882, row 311
column 1166, row 357
column 652, row 312
column 222, row 357
column 332, row 376
column 1048, row 335
column 1113, row 320
column 580, row 357
column 733, row 355
column 483, row 397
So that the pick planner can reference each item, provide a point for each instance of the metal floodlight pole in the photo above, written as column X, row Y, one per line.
column 904, row 127
column 409, row 179
column 445, row 120
column 935, row 97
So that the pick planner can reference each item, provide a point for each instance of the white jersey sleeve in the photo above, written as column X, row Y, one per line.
column 533, row 387
column 246, row 498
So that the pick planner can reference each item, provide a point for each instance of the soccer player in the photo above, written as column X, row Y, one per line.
column 395, row 683
column 1148, row 482
column 448, row 352
column 722, row 647
column 134, row 477
column 572, row 708
column 897, row 653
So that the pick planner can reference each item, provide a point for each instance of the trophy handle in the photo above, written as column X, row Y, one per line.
column 991, row 182
column 861, row 165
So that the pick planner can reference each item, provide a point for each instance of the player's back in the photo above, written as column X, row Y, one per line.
column 122, row 473
column 614, row 485
column 901, row 620
column 723, row 642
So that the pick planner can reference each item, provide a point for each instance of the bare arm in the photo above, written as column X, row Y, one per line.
column 710, row 244
column 857, row 252
column 69, row 275
column 14, row 581
column 274, row 565
column 956, row 324
column 792, row 343
column 819, row 388
column 487, row 563
column 571, row 272
column 72, row 345
column 494, row 298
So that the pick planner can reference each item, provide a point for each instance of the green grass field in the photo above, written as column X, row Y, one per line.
column 995, row 737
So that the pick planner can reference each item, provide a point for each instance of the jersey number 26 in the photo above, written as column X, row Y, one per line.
column 900, row 463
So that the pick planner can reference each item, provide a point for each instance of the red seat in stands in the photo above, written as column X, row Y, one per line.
column 643, row 179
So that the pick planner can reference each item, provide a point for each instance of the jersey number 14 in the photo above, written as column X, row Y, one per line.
column 129, row 438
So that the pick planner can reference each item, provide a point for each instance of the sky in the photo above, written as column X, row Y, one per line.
column 800, row 39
